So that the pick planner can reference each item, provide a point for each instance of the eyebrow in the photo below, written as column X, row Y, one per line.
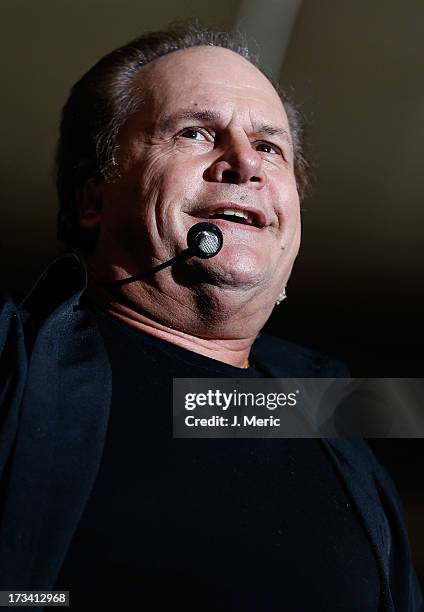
column 170, row 122
column 270, row 130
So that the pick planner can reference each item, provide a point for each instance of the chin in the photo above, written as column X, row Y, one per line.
column 238, row 269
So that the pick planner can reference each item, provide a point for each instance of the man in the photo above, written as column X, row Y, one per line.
column 99, row 499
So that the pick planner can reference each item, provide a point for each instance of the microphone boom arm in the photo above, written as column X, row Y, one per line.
column 204, row 240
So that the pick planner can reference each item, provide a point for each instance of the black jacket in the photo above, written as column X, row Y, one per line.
column 54, row 409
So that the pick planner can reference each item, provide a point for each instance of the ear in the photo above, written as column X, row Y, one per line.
column 89, row 205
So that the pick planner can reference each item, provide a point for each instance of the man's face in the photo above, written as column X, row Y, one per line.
column 212, row 136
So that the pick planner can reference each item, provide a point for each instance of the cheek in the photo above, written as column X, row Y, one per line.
column 288, row 208
column 292, row 243
column 293, row 215
column 293, row 229
column 127, row 210
column 180, row 185
column 183, row 175
column 168, row 170
column 165, row 181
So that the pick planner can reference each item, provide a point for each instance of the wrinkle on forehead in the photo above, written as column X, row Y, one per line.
column 234, row 86
column 209, row 79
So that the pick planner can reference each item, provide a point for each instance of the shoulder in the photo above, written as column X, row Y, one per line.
column 288, row 359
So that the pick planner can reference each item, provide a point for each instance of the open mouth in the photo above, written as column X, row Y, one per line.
column 228, row 217
column 242, row 217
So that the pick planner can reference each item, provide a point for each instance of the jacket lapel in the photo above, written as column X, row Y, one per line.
column 13, row 371
column 59, row 445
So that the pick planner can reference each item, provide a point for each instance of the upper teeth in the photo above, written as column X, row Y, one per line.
column 237, row 213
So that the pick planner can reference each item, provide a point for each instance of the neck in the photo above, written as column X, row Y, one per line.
column 216, row 330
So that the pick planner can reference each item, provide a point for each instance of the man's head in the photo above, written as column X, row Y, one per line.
column 101, row 101
column 178, row 126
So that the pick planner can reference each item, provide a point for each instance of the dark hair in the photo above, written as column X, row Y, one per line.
column 102, row 100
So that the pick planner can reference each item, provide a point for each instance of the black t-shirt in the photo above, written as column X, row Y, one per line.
column 209, row 524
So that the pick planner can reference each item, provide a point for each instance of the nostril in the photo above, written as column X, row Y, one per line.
column 255, row 179
column 230, row 176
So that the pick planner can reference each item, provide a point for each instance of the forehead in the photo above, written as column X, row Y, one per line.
column 208, row 76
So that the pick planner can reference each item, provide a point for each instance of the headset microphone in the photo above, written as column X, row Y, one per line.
column 204, row 240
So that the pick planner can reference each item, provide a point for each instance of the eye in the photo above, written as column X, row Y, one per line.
column 266, row 147
column 195, row 134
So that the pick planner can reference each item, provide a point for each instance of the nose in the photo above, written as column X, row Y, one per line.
column 239, row 163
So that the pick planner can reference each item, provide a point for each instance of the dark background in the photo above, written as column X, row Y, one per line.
column 356, row 69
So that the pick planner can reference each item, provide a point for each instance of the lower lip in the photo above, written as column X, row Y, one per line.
column 231, row 224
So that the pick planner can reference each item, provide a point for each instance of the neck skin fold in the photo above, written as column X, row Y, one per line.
column 220, row 331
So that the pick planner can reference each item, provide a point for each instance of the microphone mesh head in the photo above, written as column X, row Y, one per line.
column 204, row 239
column 209, row 243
